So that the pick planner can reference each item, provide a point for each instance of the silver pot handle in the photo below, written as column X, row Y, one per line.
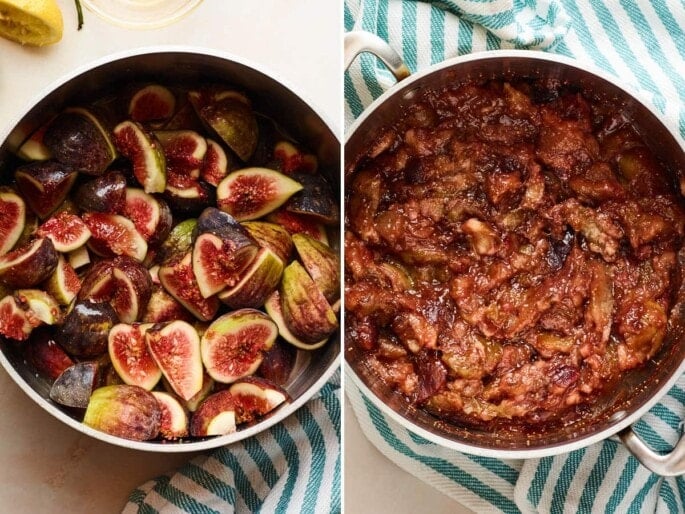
column 669, row 465
column 359, row 41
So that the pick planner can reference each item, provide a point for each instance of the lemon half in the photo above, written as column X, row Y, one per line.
column 31, row 22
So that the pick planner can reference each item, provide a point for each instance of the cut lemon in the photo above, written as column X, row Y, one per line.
column 31, row 22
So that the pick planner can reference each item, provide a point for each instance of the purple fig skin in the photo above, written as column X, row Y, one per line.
column 85, row 329
column 125, row 411
column 75, row 385
column 106, row 193
column 28, row 265
column 316, row 199
column 44, row 185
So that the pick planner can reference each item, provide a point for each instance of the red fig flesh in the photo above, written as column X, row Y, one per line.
column 152, row 103
column 45, row 355
column 145, row 153
column 64, row 284
column 215, row 164
column 12, row 218
column 112, row 234
column 66, row 231
column 14, row 321
column 130, row 356
column 255, row 397
column 179, row 281
column 174, row 421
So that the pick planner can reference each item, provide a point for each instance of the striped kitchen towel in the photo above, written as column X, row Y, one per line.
column 293, row 467
column 643, row 43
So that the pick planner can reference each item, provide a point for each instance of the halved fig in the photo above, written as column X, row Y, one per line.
column 43, row 353
column 106, row 193
column 144, row 152
column 130, row 356
column 315, row 200
column 40, row 306
column 152, row 103
column 278, row 363
column 66, row 231
column 271, row 236
column 189, row 197
column 14, row 321
column 124, row 411
column 255, row 397
column 97, row 282
column 151, row 216
column 79, row 257
column 179, row 281
column 163, row 307
column 75, row 385
column 12, row 219
column 77, row 138
column 322, row 264
column 176, row 349
column 259, row 280
column 44, row 185
column 86, row 327
column 251, row 193
column 299, row 224
column 29, row 264
column 64, row 284
column 234, row 344
column 174, row 421
column 292, row 159
column 178, row 243
column 184, row 151
column 113, row 234
column 215, row 164
column 214, row 416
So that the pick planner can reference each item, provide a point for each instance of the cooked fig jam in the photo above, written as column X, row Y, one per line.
column 510, row 252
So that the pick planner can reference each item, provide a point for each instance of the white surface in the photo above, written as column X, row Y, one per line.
column 45, row 465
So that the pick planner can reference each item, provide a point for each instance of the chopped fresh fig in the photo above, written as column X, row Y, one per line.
column 179, row 281
column 79, row 257
column 185, row 118
column 28, row 265
column 112, row 234
column 34, row 148
column 178, row 243
column 12, row 219
column 14, row 321
column 322, row 264
column 75, row 385
column 152, row 103
column 229, row 114
column 151, row 216
column 315, row 199
column 163, row 307
column 124, row 411
column 251, row 193
column 41, row 307
column 292, row 159
column 234, row 344
column 66, row 231
column 86, row 327
column 274, row 310
column 43, row 353
column 64, row 284
column 189, row 197
column 176, row 349
column 97, row 282
column 30, row 229
column 184, row 151
column 257, row 283
column 44, row 185
column 174, row 422
column 299, row 224
column 130, row 356
column 214, row 416
column 215, row 164
column 145, row 153
column 106, row 193
column 271, row 236
column 255, row 397
column 193, row 403
column 278, row 363
column 77, row 138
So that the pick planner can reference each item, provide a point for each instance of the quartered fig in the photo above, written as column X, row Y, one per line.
column 184, row 151
column 124, row 411
column 152, row 103
column 106, row 193
column 315, row 200
column 214, row 416
column 130, row 356
column 40, row 306
column 251, row 193
column 63, row 284
column 178, row 243
column 234, row 344
column 43, row 353
column 75, row 385
column 44, row 185
column 29, row 264
column 79, row 258
column 163, row 307
column 189, row 197
column 255, row 397
column 271, row 236
column 144, row 152
column 66, row 231
column 278, row 363
column 179, row 281
column 14, row 321
column 77, row 138
column 176, row 349
column 174, row 421
column 215, row 164
column 86, row 327
column 322, row 264
column 275, row 311
column 258, row 282
column 12, row 219
column 292, row 159
column 151, row 216
column 113, row 234
column 34, row 148
column 193, row 403
column 299, row 224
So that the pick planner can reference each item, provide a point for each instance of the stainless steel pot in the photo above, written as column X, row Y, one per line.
column 185, row 66
column 640, row 390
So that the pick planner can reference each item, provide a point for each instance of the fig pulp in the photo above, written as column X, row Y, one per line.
column 163, row 307
column 258, row 282
column 106, row 193
column 112, row 234
column 322, row 264
column 28, row 265
column 292, row 159
column 130, row 356
column 75, row 385
column 14, row 321
column 214, row 416
column 184, row 152
column 12, row 218
column 64, row 284
column 86, row 328
column 215, row 164
column 44, row 185
column 299, row 224
column 174, row 421
column 179, row 281
column 234, row 344
column 254, row 398
column 66, row 231
column 251, row 193
column 176, row 349
column 145, row 153
column 152, row 103
column 124, row 411
column 151, row 216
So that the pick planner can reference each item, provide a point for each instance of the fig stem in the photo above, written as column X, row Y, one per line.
column 79, row 14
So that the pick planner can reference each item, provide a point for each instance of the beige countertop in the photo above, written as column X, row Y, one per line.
column 46, row 466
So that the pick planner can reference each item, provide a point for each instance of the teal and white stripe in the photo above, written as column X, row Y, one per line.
column 292, row 468
column 642, row 43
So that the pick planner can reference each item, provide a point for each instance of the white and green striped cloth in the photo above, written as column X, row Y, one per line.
column 291, row 468
column 643, row 43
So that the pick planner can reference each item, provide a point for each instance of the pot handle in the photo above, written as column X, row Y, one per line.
column 672, row 464
column 359, row 41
